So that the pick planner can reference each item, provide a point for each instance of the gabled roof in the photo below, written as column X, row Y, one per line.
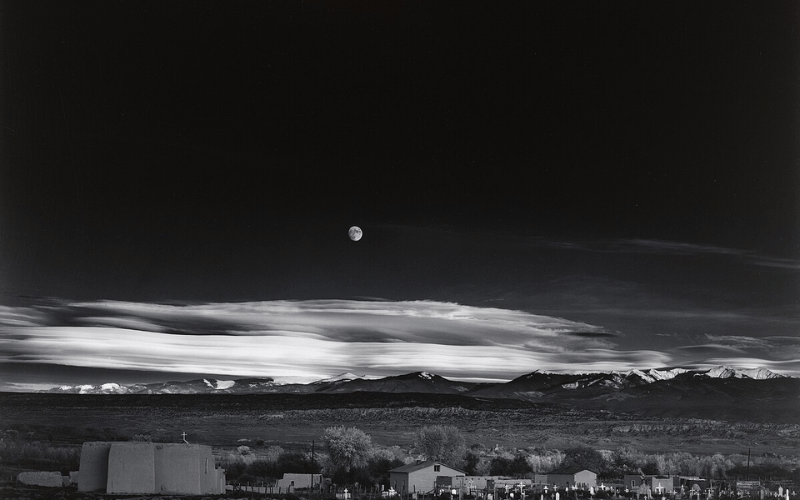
column 569, row 470
column 422, row 465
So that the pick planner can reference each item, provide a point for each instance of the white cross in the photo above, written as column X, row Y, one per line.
column 184, row 437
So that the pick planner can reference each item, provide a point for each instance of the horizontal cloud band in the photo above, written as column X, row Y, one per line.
column 308, row 340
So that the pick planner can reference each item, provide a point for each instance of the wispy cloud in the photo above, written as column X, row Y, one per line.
column 311, row 339
column 791, row 264
column 789, row 367
column 663, row 247
column 741, row 341
column 676, row 247
column 307, row 340
column 709, row 350
column 20, row 317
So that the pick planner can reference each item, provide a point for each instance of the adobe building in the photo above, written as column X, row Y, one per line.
column 149, row 468
column 655, row 483
column 420, row 477
column 39, row 478
column 568, row 478
column 292, row 481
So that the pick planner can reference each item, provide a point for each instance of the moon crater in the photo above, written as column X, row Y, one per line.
column 355, row 233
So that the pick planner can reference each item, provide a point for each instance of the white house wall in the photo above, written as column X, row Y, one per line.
column 587, row 478
column 422, row 480
column 294, row 480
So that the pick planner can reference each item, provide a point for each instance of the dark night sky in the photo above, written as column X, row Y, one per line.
column 629, row 166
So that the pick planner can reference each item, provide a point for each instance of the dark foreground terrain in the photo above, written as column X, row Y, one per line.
column 16, row 491
column 293, row 421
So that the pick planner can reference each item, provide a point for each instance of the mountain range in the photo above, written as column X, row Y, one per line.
column 534, row 385
column 719, row 393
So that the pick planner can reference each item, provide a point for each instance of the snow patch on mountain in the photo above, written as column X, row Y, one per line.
column 651, row 375
column 759, row 373
column 113, row 388
column 727, row 372
column 341, row 377
column 220, row 384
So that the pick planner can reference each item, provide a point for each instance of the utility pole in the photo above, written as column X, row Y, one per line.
column 311, row 489
column 748, row 464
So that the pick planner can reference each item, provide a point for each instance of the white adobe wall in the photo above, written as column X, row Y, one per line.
column 39, row 478
column 177, row 469
column 147, row 468
column 209, row 474
column 586, row 477
column 300, row 481
column 221, row 487
column 131, row 468
column 93, row 473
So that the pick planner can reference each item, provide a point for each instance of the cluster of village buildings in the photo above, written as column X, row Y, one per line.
column 133, row 468
column 431, row 476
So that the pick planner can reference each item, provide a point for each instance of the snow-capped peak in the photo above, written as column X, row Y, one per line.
column 341, row 377
column 219, row 384
column 113, row 387
column 727, row 372
column 722, row 372
column 426, row 375
column 759, row 373
column 654, row 374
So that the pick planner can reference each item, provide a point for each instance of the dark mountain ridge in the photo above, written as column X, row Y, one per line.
column 533, row 385
column 718, row 393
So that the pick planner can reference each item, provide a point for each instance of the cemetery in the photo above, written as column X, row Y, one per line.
column 352, row 467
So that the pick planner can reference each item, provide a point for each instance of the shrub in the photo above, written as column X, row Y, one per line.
column 39, row 455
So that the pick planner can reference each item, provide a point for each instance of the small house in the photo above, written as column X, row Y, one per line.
column 293, row 481
column 655, row 483
column 420, row 477
column 694, row 483
column 662, row 485
column 569, row 478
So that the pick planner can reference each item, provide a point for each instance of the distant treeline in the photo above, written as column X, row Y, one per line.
column 347, row 455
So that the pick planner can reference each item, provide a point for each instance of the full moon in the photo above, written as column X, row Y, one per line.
column 355, row 233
